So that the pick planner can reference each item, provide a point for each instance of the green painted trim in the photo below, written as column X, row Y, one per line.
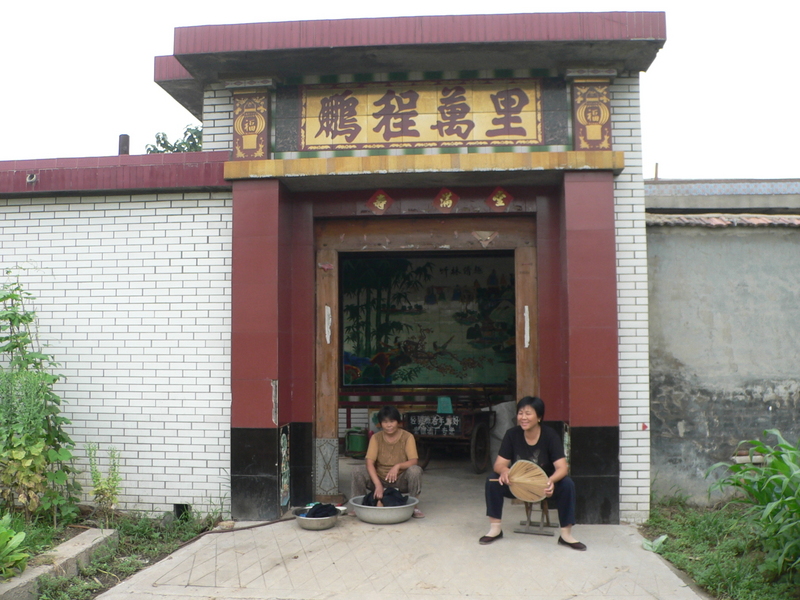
column 421, row 76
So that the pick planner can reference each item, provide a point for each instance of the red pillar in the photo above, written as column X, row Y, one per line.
column 590, row 305
column 591, row 299
column 255, row 303
column 259, row 304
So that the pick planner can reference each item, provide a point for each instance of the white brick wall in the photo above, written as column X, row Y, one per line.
column 133, row 299
column 217, row 118
column 632, row 309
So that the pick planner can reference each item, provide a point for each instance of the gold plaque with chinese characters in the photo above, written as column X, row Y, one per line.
column 499, row 200
column 249, row 126
column 592, row 106
column 445, row 201
column 379, row 202
column 422, row 115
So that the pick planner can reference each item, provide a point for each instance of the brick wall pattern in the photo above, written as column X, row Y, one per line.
column 133, row 299
column 217, row 118
column 632, row 304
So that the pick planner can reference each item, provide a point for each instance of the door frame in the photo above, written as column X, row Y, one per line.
column 415, row 234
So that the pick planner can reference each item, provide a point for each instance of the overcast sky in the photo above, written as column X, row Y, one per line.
column 77, row 74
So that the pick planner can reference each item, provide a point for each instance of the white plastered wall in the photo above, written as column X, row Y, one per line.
column 133, row 299
column 632, row 304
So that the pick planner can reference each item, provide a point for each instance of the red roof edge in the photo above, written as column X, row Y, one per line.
column 167, row 68
column 152, row 172
column 394, row 31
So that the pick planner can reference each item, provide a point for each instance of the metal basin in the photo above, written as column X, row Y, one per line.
column 384, row 515
column 314, row 524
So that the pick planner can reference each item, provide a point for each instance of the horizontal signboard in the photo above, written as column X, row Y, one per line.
column 419, row 115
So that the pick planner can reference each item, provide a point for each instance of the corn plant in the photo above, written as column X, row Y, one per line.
column 773, row 490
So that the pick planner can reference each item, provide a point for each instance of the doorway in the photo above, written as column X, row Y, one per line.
column 420, row 351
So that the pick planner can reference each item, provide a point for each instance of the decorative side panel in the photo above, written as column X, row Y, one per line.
column 592, row 105
column 250, row 125
column 326, row 461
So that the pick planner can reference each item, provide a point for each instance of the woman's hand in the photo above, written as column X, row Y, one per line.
column 393, row 473
column 503, row 478
column 378, row 493
column 549, row 488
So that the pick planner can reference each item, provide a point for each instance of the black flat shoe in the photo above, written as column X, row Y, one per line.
column 488, row 539
column 573, row 545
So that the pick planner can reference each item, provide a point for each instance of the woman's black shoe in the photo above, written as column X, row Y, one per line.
column 488, row 539
column 573, row 545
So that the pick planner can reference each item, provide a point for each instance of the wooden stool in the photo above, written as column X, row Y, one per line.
column 544, row 520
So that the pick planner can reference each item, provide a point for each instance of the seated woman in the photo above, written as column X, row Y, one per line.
column 391, row 461
column 530, row 440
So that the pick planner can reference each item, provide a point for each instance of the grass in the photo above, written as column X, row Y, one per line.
column 719, row 548
column 40, row 535
column 142, row 542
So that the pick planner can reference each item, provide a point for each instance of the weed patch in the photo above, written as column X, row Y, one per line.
column 142, row 542
column 718, row 548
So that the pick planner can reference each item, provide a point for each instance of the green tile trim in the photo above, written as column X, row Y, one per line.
column 420, row 76
column 417, row 151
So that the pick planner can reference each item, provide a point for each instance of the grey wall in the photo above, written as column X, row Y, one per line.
column 724, row 345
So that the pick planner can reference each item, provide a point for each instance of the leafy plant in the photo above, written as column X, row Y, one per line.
column 11, row 558
column 35, row 450
column 772, row 488
column 106, row 489
column 61, row 496
column 655, row 545
column 23, row 473
column 192, row 141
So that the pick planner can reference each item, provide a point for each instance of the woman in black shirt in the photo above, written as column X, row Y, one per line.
column 530, row 440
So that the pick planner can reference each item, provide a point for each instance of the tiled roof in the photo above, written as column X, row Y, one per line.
column 730, row 187
column 723, row 220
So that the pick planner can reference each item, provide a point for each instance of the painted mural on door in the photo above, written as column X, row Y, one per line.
column 436, row 320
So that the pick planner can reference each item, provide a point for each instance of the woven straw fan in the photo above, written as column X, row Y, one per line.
column 527, row 481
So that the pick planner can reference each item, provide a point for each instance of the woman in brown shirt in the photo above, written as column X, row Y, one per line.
column 391, row 461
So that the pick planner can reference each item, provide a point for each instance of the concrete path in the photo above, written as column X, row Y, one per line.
column 436, row 557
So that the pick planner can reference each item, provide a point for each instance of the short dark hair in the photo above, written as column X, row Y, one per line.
column 389, row 413
column 536, row 403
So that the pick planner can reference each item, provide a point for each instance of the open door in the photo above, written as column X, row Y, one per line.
column 510, row 236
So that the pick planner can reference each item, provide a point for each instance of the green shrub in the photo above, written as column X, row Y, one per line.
column 36, row 470
column 773, row 490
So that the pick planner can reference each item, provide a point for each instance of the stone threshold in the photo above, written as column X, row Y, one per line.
column 63, row 561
